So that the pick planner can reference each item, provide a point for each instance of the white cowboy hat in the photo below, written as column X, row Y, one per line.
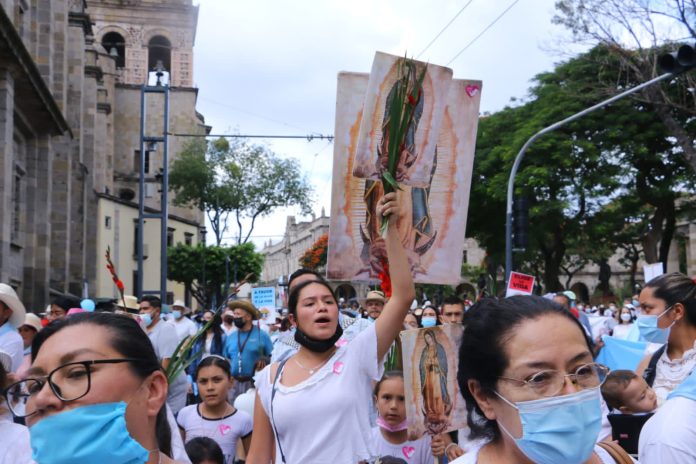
column 9, row 297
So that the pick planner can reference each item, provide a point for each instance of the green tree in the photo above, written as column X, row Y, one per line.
column 185, row 264
column 636, row 33
column 239, row 179
column 572, row 175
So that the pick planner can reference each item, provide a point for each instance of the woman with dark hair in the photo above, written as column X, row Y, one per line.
column 668, row 305
column 530, row 385
column 430, row 317
column 314, row 407
column 211, row 343
column 96, row 393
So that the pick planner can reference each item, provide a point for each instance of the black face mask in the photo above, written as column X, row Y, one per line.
column 239, row 322
column 318, row 346
column 228, row 320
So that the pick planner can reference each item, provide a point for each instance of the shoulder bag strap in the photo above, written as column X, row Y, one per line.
column 273, row 393
column 649, row 373
column 616, row 452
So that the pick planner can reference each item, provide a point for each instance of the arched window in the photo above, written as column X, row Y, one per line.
column 159, row 50
column 115, row 45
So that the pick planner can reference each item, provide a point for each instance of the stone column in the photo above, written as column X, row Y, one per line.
column 6, row 170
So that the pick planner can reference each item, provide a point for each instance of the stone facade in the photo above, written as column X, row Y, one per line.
column 69, row 129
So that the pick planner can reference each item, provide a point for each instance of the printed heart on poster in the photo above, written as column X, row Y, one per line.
column 338, row 367
column 408, row 451
column 224, row 429
column 341, row 342
column 471, row 90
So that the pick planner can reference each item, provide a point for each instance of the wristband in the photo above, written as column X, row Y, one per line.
column 448, row 447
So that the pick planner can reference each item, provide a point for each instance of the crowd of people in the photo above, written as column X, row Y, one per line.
column 93, row 386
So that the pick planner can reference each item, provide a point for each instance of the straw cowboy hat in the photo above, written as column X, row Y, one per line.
column 247, row 306
column 9, row 297
column 375, row 295
column 130, row 301
column 33, row 321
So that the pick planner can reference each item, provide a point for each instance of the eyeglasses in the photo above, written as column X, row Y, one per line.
column 550, row 382
column 68, row 382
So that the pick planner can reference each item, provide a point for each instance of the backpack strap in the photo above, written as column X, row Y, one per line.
column 616, row 452
column 273, row 393
column 649, row 373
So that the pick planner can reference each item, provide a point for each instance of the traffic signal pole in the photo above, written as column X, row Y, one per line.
column 532, row 139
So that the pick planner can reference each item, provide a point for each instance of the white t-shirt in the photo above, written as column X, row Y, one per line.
column 15, row 447
column 163, row 338
column 472, row 456
column 326, row 418
column 411, row 452
column 225, row 431
column 670, row 435
column 621, row 331
column 185, row 327
column 12, row 344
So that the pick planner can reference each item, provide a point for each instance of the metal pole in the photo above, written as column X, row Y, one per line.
column 165, row 198
column 227, row 274
column 203, row 284
column 552, row 127
column 141, row 198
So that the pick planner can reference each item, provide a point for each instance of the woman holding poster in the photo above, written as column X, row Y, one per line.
column 315, row 406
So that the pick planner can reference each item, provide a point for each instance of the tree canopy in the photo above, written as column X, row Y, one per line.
column 603, row 183
column 236, row 178
column 187, row 264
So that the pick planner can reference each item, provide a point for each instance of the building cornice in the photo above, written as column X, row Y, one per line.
column 29, row 84
column 148, row 209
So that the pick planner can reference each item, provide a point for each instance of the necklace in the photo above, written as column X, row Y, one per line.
column 313, row 369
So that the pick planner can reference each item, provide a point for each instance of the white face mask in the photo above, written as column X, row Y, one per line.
column 626, row 317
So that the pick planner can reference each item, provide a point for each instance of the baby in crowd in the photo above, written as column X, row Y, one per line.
column 628, row 393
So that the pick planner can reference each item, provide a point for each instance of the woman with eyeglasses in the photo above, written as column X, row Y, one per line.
column 96, row 394
column 668, row 305
column 531, row 386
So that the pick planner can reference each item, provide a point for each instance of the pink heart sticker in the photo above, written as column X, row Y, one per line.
column 338, row 367
column 408, row 451
column 471, row 90
column 341, row 342
column 224, row 429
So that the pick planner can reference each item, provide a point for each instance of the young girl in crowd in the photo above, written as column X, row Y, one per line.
column 313, row 407
column 215, row 417
column 390, row 437
column 430, row 317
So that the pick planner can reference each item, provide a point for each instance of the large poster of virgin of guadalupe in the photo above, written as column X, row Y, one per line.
column 433, row 402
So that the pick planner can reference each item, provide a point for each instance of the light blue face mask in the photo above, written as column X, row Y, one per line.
column 94, row 433
column 560, row 429
column 147, row 319
column 649, row 331
column 428, row 321
column 177, row 314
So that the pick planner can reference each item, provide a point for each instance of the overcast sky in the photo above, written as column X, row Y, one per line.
column 269, row 66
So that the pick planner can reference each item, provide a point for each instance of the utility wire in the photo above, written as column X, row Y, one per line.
column 225, row 105
column 483, row 31
column 309, row 137
column 444, row 28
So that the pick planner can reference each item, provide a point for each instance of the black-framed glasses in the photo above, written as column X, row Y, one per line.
column 68, row 382
column 550, row 382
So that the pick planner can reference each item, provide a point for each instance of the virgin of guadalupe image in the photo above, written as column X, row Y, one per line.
column 437, row 404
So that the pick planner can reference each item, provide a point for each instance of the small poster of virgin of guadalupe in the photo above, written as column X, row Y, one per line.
column 433, row 402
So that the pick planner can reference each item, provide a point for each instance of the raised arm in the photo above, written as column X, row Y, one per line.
column 390, row 322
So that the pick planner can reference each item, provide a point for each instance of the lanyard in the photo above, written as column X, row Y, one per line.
column 240, row 349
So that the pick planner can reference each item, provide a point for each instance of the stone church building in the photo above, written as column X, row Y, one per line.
column 71, row 73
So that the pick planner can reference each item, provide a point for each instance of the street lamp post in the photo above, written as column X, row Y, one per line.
column 203, row 285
